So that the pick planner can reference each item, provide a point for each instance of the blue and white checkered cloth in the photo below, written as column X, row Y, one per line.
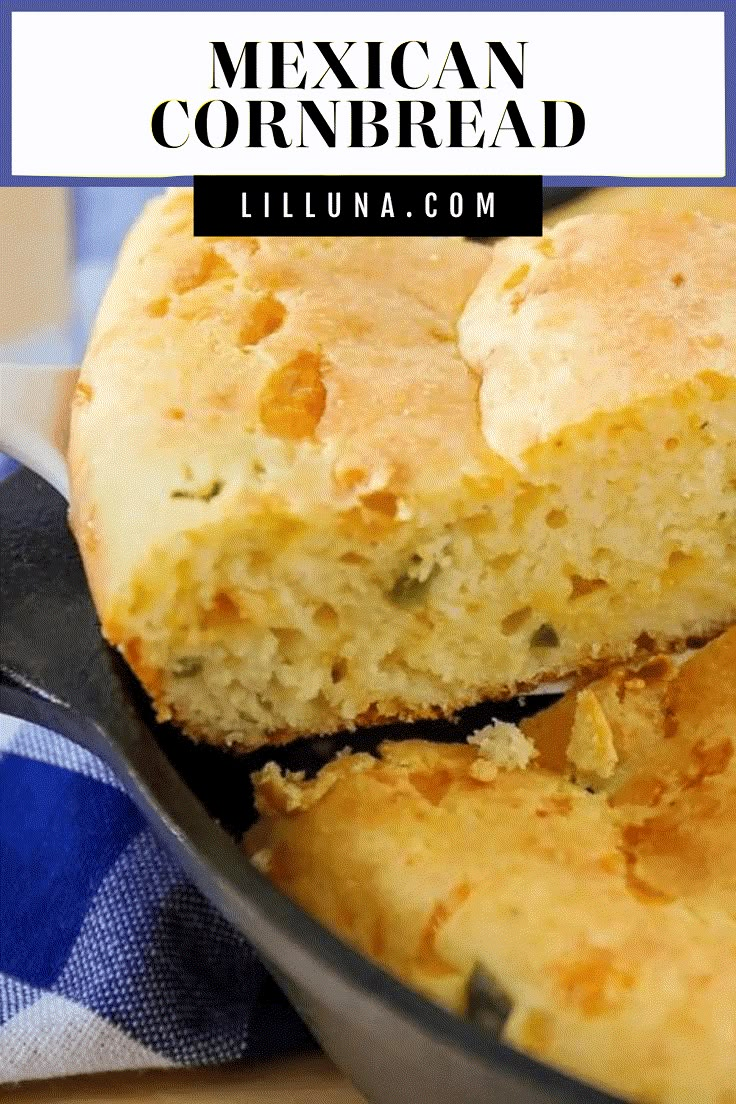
column 109, row 958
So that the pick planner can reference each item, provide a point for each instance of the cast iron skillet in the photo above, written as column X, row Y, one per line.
column 56, row 670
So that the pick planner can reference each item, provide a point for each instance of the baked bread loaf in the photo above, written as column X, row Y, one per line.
column 596, row 887
column 301, row 509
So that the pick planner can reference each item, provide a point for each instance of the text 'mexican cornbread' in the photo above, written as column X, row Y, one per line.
column 320, row 482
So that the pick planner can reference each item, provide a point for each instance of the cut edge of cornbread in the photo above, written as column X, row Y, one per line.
column 571, row 565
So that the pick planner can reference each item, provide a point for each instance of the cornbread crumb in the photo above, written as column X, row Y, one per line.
column 591, row 749
column 286, row 791
column 262, row 860
column 501, row 746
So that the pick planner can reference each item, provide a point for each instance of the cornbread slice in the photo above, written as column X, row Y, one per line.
column 600, row 902
column 301, row 508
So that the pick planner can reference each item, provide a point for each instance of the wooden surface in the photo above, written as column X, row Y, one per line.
column 311, row 1079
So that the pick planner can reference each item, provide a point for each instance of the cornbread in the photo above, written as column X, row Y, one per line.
column 595, row 887
column 303, row 506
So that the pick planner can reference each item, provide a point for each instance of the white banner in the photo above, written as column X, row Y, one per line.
column 147, row 94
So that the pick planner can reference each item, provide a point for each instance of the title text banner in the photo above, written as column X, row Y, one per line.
column 171, row 94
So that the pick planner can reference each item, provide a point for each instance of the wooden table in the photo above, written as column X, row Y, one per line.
column 310, row 1079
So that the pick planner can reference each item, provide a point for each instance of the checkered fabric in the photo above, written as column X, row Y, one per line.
column 109, row 958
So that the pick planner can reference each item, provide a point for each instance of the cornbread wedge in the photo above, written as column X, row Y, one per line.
column 302, row 506
column 595, row 889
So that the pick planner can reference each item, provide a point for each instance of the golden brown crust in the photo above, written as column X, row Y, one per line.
column 173, row 360
column 184, row 357
column 605, row 907
column 605, row 310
